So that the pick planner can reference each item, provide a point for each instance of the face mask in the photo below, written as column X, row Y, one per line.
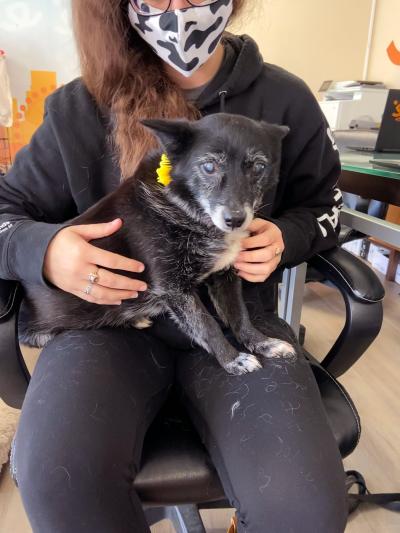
column 184, row 38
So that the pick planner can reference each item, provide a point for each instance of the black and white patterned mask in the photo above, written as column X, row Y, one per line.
column 184, row 38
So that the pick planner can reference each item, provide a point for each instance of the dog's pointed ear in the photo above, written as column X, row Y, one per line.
column 174, row 135
column 280, row 131
column 285, row 130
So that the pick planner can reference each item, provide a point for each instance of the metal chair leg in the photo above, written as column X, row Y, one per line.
column 185, row 518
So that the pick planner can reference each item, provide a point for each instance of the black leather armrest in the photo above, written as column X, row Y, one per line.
column 363, row 294
column 14, row 376
column 349, row 272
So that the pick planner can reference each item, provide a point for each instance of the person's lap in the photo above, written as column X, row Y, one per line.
column 94, row 394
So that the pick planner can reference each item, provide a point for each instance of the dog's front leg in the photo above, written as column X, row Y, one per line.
column 193, row 319
column 225, row 289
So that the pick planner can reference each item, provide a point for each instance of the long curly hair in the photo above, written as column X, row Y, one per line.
column 126, row 77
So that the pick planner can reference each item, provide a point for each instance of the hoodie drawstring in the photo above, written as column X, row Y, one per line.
column 222, row 98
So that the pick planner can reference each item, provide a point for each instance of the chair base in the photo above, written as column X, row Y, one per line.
column 185, row 518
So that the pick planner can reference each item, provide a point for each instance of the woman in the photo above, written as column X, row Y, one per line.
column 93, row 394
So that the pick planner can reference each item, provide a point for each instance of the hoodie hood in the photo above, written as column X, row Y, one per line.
column 242, row 65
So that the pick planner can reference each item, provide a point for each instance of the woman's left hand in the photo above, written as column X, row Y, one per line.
column 258, row 265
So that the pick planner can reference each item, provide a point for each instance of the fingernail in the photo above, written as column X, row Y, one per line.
column 134, row 295
column 141, row 268
column 142, row 287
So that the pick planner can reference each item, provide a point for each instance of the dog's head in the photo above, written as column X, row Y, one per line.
column 224, row 163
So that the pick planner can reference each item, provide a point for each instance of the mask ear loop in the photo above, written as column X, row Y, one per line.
column 222, row 98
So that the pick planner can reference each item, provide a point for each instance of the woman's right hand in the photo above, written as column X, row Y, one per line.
column 70, row 258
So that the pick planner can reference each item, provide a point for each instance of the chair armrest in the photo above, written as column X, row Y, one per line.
column 14, row 376
column 350, row 273
column 363, row 293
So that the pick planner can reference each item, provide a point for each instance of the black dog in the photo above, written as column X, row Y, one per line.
column 185, row 233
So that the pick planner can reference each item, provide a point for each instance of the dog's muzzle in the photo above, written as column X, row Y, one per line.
column 233, row 219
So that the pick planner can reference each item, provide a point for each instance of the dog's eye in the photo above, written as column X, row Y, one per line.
column 259, row 167
column 209, row 167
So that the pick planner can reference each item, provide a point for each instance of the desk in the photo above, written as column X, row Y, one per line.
column 358, row 176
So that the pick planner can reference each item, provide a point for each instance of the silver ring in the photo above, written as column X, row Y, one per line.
column 88, row 289
column 93, row 276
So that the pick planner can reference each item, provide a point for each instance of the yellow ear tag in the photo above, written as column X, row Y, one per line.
column 164, row 171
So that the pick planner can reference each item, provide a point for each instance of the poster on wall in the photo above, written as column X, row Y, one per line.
column 37, row 38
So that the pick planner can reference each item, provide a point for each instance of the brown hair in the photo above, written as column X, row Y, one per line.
column 125, row 76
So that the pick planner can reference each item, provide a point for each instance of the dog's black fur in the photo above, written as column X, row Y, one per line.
column 185, row 233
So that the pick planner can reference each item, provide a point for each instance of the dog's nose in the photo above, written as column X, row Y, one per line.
column 234, row 219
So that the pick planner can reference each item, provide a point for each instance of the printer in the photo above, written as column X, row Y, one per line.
column 353, row 104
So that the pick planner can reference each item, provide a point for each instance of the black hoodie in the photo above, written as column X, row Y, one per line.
column 69, row 165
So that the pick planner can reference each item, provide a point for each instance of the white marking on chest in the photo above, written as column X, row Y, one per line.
column 142, row 323
column 233, row 247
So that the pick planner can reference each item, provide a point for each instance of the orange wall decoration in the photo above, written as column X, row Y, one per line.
column 393, row 53
column 28, row 115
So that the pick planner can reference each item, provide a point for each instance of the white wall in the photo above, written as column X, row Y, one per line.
column 386, row 30
column 316, row 39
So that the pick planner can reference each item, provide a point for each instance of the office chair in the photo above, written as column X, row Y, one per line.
column 177, row 477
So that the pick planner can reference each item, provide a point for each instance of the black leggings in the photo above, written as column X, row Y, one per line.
column 93, row 395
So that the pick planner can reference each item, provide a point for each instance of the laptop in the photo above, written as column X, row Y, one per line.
column 388, row 139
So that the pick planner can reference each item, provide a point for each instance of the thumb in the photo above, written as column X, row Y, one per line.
column 95, row 231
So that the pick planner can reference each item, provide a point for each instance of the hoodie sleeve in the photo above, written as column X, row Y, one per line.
column 308, row 214
column 35, row 202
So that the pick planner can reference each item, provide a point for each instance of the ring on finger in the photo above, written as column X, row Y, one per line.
column 278, row 251
column 93, row 276
column 88, row 289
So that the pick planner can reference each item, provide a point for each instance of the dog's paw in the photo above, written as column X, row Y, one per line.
column 275, row 348
column 142, row 323
column 35, row 340
column 245, row 362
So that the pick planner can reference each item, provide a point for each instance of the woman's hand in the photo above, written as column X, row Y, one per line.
column 70, row 259
column 262, row 251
